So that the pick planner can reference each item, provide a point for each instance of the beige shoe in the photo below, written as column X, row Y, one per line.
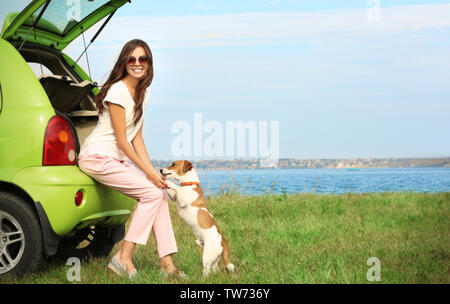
column 121, row 270
column 178, row 273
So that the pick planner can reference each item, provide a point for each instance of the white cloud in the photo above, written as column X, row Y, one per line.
column 269, row 27
column 341, row 55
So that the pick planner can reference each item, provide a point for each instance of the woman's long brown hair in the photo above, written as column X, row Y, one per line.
column 119, row 72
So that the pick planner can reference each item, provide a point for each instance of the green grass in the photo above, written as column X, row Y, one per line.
column 301, row 238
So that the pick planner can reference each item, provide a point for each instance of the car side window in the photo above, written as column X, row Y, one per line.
column 36, row 68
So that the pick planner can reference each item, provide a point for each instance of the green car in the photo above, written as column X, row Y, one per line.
column 48, row 206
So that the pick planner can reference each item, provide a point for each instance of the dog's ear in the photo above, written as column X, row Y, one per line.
column 187, row 166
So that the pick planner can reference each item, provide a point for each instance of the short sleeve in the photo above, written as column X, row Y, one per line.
column 146, row 97
column 116, row 95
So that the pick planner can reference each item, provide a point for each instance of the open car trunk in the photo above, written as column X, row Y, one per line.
column 48, row 27
column 68, row 93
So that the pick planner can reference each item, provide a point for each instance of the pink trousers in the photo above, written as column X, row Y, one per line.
column 152, row 203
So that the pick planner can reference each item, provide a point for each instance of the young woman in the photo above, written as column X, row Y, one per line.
column 118, row 135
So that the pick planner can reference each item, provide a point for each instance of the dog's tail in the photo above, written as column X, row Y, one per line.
column 226, row 256
column 229, row 267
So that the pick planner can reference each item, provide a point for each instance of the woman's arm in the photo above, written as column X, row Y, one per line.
column 141, row 150
column 118, row 122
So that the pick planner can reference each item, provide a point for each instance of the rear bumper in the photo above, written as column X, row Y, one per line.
column 55, row 188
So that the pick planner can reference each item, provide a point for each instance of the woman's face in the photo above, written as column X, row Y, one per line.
column 137, row 63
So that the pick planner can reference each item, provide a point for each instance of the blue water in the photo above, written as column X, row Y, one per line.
column 261, row 181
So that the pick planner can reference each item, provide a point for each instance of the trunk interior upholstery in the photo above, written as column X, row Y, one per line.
column 67, row 92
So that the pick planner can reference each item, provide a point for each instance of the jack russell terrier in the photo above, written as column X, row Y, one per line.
column 191, row 206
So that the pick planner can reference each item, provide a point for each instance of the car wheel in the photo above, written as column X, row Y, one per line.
column 88, row 242
column 21, row 243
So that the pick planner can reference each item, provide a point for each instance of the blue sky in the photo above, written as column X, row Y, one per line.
column 206, row 7
column 340, row 85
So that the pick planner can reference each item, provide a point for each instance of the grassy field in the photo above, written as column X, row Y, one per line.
column 301, row 238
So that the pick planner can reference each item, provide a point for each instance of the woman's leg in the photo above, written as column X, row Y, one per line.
column 163, row 233
column 166, row 264
column 164, row 236
column 127, row 179
column 125, row 254
column 144, row 216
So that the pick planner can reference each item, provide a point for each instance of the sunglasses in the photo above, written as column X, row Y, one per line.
column 142, row 60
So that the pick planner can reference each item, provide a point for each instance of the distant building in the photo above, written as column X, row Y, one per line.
column 268, row 163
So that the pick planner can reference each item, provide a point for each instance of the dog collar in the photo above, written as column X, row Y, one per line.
column 189, row 183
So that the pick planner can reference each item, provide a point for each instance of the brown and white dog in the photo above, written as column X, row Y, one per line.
column 191, row 206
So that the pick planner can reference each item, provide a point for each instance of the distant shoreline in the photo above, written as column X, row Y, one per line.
column 298, row 163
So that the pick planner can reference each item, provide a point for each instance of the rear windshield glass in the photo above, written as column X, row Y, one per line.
column 62, row 16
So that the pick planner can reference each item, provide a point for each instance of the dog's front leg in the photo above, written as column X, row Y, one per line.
column 179, row 197
column 171, row 186
column 173, row 191
column 172, row 194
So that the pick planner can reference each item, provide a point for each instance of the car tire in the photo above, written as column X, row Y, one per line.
column 85, row 243
column 21, row 241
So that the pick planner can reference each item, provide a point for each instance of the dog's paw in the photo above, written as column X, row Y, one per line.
column 172, row 194
column 200, row 243
column 171, row 185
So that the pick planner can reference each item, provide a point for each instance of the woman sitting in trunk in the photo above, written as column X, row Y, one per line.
column 117, row 138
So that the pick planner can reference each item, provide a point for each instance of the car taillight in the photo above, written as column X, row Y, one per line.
column 79, row 198
column 59, row 143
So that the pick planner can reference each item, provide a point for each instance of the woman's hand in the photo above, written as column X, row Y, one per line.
column 138, row 153
column 157, row 179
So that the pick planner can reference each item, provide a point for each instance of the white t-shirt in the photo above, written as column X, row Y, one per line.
column 102, row 140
